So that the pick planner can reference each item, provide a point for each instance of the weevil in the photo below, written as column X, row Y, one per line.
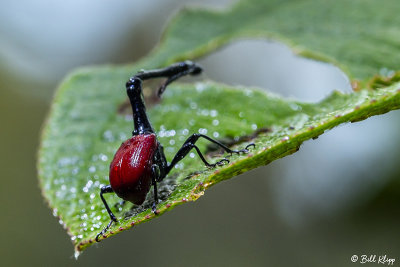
column 140, row 163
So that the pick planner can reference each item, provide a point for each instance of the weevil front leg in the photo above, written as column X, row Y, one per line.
column 104, row 190
column 244, row 150
column 190, row 144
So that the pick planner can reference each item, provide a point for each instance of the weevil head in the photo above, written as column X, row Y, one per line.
column 194, row 68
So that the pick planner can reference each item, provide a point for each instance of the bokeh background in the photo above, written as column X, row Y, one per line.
column 338, row 196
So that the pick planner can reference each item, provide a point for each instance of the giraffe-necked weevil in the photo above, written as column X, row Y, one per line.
column 140, row 161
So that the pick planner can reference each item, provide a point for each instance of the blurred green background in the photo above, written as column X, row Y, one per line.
column 338, row 196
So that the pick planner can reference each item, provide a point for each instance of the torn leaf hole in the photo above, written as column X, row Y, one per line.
column 150, row 88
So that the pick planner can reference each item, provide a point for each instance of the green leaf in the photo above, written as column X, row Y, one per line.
column 86, row 124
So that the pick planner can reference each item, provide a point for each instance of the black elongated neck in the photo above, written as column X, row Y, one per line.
column 140, row 121
column 134, row 89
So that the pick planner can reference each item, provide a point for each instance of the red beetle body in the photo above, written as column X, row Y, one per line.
column 130, row 170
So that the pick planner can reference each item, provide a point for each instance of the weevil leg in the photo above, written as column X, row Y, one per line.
column 161, row 162
column 244, row 150
column 190, row 144
column 155, row 174
column 227, row 149
column 104, row 190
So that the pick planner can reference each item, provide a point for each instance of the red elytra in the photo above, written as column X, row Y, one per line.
column 130, row 170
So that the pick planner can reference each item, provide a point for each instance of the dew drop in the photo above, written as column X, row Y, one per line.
column 248, row 92
column 172, row 133
column 215, row 122
column 192, row 155
column 200, row 87
column 103, row 157
column 123, row 136
column 203, row 131
column 215, row 134
column 179, row 166
column 89, row 184
column 254, row 126
column 205, row 112
column 108, row 136
column 185, row 131
column 170, row 149
column 294, row 106
column 75, row 171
